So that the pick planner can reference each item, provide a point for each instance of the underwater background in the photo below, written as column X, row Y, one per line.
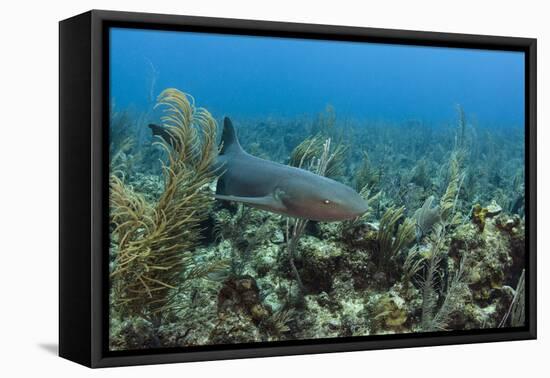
column 432, row 138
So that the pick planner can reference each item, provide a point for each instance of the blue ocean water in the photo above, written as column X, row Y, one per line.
column 246, row 76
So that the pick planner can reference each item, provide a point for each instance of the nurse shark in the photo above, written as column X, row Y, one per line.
column 279, row 188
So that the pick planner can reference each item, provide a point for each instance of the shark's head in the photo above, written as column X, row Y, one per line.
column 321, row 199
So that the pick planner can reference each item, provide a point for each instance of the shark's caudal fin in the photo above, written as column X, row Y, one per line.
column 156, row 129
column 163, row 133
column 230, row 143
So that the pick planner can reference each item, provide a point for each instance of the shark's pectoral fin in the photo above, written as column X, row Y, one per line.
column 267, row 202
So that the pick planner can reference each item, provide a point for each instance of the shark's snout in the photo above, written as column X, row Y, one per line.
column 358, row 207
column 352, row 205
column 326, row 200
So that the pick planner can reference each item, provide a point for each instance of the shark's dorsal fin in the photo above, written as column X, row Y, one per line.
column 230, row 143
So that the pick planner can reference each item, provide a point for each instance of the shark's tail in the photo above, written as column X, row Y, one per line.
column 163, row 133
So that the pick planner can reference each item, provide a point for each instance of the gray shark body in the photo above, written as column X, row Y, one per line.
column 280, row 188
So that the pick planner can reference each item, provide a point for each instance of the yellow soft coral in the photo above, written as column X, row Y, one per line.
column 154, row 241
column 479, row 216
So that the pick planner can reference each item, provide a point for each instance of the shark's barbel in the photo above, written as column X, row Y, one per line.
column 279, row 188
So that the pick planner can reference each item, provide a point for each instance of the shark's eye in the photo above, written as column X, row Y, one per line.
column 326, row 202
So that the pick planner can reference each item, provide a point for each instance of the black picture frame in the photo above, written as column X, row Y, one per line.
column 83, row 181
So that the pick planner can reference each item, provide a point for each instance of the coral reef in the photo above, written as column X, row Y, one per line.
column 442, row 246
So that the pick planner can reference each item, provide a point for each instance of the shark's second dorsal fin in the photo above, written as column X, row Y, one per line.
column 230, row 143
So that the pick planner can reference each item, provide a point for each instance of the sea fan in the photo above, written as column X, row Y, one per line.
column 426, row 217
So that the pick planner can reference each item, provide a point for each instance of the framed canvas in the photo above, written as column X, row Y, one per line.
column 235, row 188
